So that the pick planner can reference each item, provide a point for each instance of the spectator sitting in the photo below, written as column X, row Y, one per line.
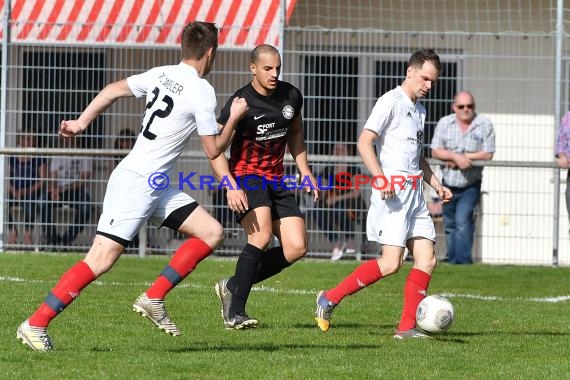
column 69, row 176
column 125, row 140
column 338, row 213
column 26, row 189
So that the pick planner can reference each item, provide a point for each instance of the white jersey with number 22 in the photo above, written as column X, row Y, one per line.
column 178, row 102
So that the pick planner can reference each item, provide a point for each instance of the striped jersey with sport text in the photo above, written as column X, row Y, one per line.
column 258, row 146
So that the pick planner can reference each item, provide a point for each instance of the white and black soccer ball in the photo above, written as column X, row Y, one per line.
column 435, row 314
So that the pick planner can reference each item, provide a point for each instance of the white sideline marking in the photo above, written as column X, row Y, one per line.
column 11, row 279
column 498, row 298
column 269, row 289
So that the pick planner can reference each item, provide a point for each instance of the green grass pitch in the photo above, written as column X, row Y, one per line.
column 512, row 322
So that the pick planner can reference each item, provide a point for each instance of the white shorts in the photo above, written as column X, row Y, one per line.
column 130, row 202
column 394, row 221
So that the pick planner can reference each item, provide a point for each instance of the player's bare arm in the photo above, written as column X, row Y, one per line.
column 365, row 147
column 237, row 199
column 98, row 105
column 215, row 145
column 296, row 142
column 443, row 192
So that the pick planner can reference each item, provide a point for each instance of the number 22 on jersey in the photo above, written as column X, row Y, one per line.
column 158, row 109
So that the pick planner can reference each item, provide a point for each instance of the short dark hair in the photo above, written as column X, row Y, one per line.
column 421, row 56
column 197, row 37
column 263, row 48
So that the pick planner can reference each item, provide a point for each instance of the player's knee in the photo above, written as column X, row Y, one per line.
column 389, row 266
column 260, row 238
column 432, row 263
column 214, row 236
column 100, row 261
column 426, row 263
column 295, row 252
column 103, row 268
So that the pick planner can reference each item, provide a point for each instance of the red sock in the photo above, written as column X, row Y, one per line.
column 184, row 260
column 414, row 292
column 65, row 291
column 366, row 274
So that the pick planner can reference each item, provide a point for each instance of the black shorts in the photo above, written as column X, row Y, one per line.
column 261, row 192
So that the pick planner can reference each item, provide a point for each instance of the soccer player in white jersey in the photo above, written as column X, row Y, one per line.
column 178, row 102
column 398, row 216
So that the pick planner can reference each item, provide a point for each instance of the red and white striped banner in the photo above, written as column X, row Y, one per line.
column 243, row 23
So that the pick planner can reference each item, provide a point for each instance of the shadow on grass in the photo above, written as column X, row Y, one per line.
column 345, row 325
column 463, row 337
column 270, row 347
column 457, row 337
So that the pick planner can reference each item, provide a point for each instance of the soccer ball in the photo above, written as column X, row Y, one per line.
column 435, row 314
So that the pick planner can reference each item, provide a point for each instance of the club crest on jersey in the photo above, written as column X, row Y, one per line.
column 288, row 112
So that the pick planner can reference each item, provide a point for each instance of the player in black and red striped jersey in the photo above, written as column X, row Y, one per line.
column 253, row 179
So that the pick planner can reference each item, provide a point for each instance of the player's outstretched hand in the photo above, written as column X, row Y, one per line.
column 70, row 128
column 445, row 194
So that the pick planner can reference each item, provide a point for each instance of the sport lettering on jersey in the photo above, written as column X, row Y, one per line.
column 170, row 85
column 266, row 132
column 259, row 144
column 261, row 129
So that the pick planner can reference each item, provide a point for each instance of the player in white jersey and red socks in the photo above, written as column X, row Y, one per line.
column 398, row 215
column 178, row 102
